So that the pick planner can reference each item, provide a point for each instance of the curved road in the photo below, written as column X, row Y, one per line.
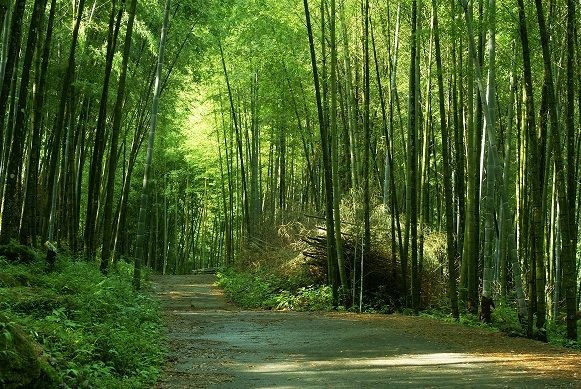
column 214, row 344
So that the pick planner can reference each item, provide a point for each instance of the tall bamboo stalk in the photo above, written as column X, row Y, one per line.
column 143, row 208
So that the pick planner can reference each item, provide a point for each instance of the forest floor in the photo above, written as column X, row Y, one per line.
column 214, row 344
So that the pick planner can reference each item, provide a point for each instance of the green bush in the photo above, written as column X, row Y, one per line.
column 94, row 331
column 557, row 334
column 267, row 291
column 14, row 252
column 310, row 298
column 248, row 290
column 505, row 319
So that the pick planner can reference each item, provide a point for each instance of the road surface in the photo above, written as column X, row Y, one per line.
column 216, row 345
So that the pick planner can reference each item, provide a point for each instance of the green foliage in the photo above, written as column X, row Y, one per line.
column 310, row 298
column 472, row 320
column 260, row 289
column 21, row 366
column 466, row 319
column 18, row 253
column 557, row 334
column 505, row 318
column 248, row 290
column 93, row 331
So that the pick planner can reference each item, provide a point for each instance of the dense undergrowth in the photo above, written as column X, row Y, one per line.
column 259, row 289
column 86, row 330
column 278, row 275
column 286, row 268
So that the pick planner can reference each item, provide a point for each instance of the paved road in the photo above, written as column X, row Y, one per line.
column 213, row 344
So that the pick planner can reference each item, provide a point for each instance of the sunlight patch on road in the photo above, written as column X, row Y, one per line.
column 406, row 360
column 423, row 360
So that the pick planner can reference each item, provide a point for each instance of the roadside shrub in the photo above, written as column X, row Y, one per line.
column 505, row 319
column 557, row 334
column 248, row 290
column 91, row 330
column 260, row 290
column 310, row 298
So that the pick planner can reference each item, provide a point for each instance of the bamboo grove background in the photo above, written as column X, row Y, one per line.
column 458, row 119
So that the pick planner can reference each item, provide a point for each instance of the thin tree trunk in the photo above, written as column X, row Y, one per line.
column 12, row 52
column 570, row 269
column 412, row 156
column 447, row 172
column 254, row 156
column 31, row 211
column 334, row 131
column 424, row 202
column 567, row 228
column 327, row 168
column 227, row 221
column 367, row 134
column 143, row 209
column 487, row 301
column 12, row 195
column 94, row 189
column 350, row 103
column 11, row 211
column 116, row 129
column 535, row 152
column 469, row 286
column 245, row 204
column 138, row 139
column 59, row 124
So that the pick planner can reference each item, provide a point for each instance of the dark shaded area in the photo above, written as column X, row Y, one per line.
column 380, row 275
column 17, row 253
column 50, row 256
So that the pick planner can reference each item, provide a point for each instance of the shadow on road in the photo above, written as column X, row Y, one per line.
column 212, row 344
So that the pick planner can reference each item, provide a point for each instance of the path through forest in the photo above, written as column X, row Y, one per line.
column 214, row 344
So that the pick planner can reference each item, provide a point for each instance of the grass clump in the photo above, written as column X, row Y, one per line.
column 88, row 330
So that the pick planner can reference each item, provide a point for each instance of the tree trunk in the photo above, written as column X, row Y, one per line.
column 334, row 131
column 447, row 173
column 59, row 124
column 31, row 211
column 143, row 208
column 367, row 135
column 11, row 211
column 566, row 221
column 116, row 129
column 469, row 274
column 245, row 205
column 570, row 269
column 327, row 166
column 491, row 174
column 12, row 52
column 255, row 156
column 12, row 195
column 535, row 152
column 94, row 189
column 412, row 156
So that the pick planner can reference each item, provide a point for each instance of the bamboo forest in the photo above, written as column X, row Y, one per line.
column 398, row 172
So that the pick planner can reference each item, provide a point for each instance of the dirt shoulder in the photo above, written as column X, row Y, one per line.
column 214, row 344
